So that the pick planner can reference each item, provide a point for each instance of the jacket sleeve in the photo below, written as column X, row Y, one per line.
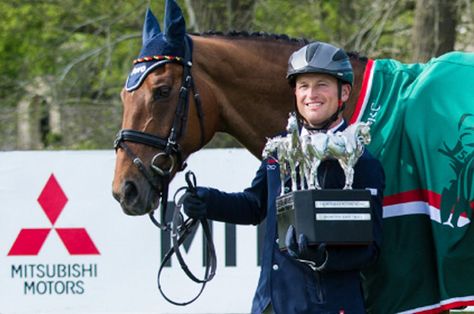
column 247, row 207
column 359, row 257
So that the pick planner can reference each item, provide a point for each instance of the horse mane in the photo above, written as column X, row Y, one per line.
column 254, row 35
column 270, row 36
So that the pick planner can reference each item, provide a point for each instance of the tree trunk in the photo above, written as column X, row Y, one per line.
column 434, row 30
column 38, row 117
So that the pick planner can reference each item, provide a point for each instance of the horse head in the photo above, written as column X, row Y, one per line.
column 363, row 133
column 272, row 146
column 158, row 111
column 292, row 125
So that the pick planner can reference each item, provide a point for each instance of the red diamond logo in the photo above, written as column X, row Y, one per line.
column 77, row 241
column 52, row 200
column 29, row 241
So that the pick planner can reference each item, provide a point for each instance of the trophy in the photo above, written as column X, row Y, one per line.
column 333, row 216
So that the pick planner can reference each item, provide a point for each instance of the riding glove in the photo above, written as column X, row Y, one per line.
column 194, row 204
column 300, row 249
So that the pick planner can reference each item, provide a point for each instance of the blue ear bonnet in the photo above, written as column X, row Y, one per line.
column 159, row 47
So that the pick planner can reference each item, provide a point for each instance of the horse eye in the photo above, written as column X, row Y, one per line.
column 161, row 92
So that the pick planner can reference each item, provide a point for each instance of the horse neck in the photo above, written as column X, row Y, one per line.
column 358, row 67
column 247, row 95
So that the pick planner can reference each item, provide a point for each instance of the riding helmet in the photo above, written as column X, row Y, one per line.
column 318, row 57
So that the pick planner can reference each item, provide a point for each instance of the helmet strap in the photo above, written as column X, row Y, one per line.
column 339, row 93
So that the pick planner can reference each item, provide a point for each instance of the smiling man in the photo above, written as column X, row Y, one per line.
column 321, row 76
column 317, row 99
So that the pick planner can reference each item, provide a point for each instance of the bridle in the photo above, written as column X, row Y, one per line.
column 169, row 147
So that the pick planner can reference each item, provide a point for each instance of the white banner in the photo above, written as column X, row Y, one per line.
column 67, row 247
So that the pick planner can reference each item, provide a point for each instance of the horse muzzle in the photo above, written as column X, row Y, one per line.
column 136, row 198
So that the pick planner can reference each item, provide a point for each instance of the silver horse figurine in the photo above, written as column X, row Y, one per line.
column 279, row 146
column 296, row 154
column 315, row 150
column 347, row 146
column 289, row 152
column 305, row 154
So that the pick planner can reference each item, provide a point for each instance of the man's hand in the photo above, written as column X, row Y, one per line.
column 300, row 249
column 194, row 205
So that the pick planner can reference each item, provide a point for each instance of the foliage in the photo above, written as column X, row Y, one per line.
column 368, row 26
column 78, row 53
column 79, row 44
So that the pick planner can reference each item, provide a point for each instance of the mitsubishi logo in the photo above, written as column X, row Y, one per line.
column 30, row 240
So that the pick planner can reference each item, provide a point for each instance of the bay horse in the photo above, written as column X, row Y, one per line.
column 238, row 86
column 241, row 82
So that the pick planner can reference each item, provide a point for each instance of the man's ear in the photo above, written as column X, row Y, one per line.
column 346, row 91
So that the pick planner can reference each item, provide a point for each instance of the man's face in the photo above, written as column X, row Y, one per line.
column 316, row 98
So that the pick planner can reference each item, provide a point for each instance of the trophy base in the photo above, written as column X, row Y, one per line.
column 335, row 217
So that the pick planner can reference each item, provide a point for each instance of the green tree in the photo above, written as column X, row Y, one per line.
column 73, row 56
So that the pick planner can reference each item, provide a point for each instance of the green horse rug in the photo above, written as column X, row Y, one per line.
column 426, row 113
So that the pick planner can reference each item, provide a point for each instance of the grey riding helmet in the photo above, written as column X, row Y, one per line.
column 318, row 57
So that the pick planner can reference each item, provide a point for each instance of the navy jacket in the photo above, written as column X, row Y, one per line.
column 289, row 285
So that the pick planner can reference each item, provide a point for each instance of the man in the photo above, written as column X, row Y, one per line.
column 321, row 76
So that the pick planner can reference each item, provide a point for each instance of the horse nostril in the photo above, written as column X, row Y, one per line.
column 130, row 192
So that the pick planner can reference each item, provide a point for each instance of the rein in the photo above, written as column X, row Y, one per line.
column 179, row 232
column 156, row 175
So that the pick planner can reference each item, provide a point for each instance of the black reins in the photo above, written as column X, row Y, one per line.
column 159, row 177
column 179, row 232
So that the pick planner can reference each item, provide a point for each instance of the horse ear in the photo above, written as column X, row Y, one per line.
column 151, row 27
column 174, row 24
